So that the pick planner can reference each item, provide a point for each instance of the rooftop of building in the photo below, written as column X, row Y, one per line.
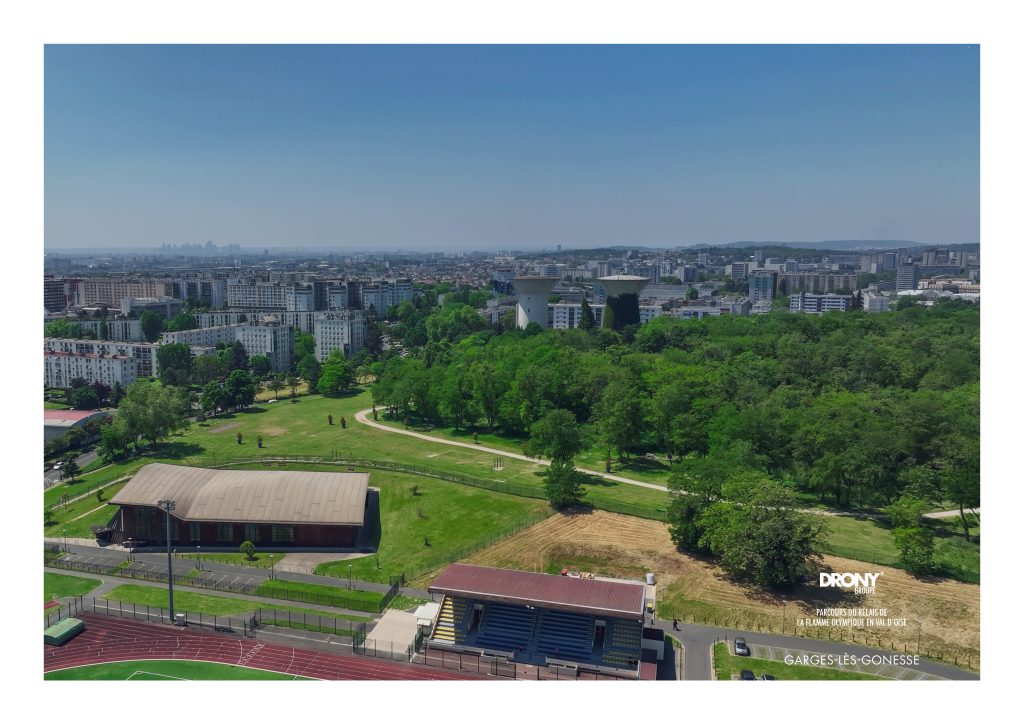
column 254, row 496
column 597, row 597
column 69, row 418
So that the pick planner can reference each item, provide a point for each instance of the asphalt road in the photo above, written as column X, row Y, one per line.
column 52, row 477
column 697, row 642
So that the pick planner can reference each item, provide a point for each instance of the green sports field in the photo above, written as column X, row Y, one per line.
column 167, row 671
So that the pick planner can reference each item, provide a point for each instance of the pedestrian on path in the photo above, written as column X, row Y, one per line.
column 675, row 624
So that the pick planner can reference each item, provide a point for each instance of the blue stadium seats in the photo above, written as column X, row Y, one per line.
column 566, row 636
column 506, row 628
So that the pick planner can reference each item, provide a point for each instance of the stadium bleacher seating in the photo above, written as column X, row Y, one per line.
column 453, row 620
column 566, row 636
column 506, row 628
column 535, row 635
column 622, row 643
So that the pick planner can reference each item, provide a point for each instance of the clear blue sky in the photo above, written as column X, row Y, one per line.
column 487, row 147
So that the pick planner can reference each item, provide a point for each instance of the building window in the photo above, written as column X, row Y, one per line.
column 225, row 533
column 252, row 532
column 193, row 532
column 282, row 533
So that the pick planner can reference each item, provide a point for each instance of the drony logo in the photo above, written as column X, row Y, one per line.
column 859, row 582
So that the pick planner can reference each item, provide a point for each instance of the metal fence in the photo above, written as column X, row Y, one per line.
column 237, row 624
column 355, row 630
column 191, row 579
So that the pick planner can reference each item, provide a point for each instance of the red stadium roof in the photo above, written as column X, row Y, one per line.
column 611, row 598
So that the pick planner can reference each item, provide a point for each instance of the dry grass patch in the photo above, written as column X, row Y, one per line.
column 695, row 589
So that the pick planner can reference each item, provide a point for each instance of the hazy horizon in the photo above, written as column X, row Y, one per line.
column 480, row 148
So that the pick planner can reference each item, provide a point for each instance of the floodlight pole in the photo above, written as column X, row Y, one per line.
column 168, row 506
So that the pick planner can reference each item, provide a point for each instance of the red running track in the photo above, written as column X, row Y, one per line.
column 107, row 639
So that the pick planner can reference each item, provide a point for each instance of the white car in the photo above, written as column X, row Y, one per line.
column 58, row 466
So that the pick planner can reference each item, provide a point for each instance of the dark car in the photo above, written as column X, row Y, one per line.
column 747, row 675
column 767, row 677
column 740, row 647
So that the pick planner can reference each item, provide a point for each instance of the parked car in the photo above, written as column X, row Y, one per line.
column 747, row 675
column 59, row 465
column 740, row 647
column 767, row 677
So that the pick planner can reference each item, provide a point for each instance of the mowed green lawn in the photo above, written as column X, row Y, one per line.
column 593, row 458
column 726, row 665
column 870, row 540
column 56, row 585
column 156, row 597
column 167, row 671
column 441, row 520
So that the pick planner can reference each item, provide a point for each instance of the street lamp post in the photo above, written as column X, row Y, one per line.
column 350, row 576
column 199, row 558
column 168, row 506
column 65, row 532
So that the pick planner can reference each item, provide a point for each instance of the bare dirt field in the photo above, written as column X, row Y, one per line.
column 694, row 589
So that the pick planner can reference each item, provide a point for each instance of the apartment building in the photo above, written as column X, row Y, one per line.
column 274, row 341
column 761, row 286
column 117, row 330
column 143, row 353
column 819, row 303
column 242, row 294
column 384, row 294
column 874, row 302
column 110, row 291
column 906, row 277
column 339, row 330
column 59, row 368
column 166, row 307
column 815, row 282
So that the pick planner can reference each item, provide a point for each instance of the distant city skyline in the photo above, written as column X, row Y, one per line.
column 467, row 148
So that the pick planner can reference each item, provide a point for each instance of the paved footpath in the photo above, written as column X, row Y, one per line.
column 361, row 416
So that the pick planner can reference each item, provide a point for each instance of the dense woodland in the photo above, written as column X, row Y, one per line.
column 857, row 409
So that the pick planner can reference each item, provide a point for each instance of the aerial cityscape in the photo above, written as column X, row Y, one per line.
column 607, row 418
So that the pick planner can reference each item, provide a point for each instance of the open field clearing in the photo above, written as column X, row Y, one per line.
column 696, row 590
